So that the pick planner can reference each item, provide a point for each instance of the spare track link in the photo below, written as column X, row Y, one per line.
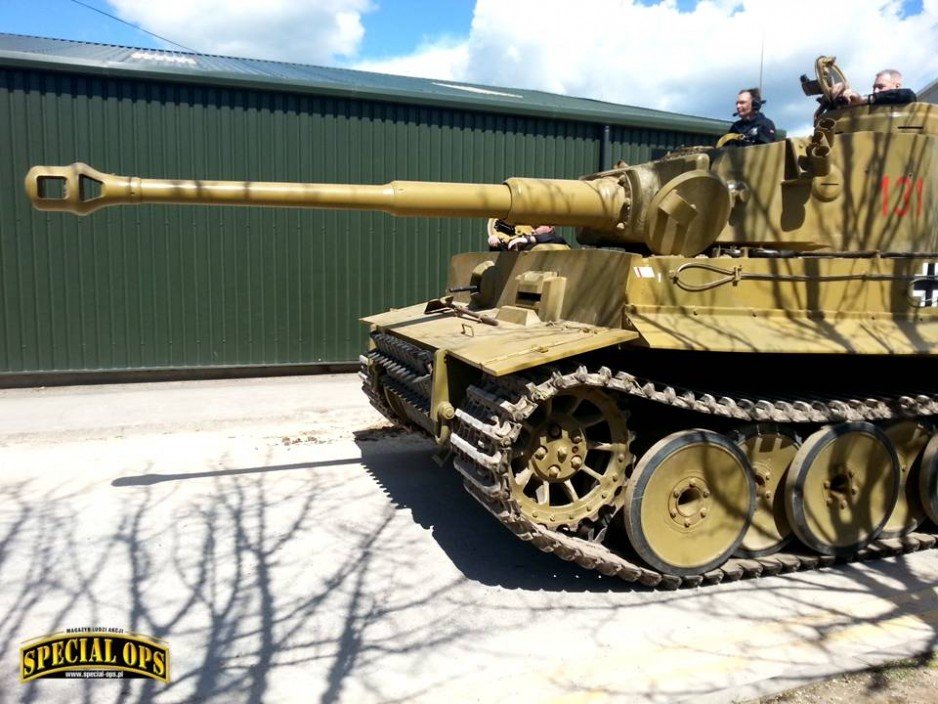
column 490, row 420
column 405, row 371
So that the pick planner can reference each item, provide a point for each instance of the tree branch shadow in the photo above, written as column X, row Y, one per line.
column 223, row 575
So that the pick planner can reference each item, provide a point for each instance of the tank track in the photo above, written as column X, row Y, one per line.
column 489, row 421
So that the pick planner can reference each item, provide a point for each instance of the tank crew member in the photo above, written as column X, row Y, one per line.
column 506, row 237
column 752, row 126
column 887, row 90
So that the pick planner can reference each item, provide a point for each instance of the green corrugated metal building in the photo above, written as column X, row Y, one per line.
column 197, row 288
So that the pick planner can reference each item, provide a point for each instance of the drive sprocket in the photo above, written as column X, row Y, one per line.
column 571, row 458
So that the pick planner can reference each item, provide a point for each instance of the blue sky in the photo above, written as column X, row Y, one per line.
column 64, row 19
column 686, row 56
column 388, row 33
column 395, row 27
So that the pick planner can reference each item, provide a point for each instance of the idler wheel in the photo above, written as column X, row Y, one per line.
column 574, row 458
column 842, row 487
column 689, row 502
column 770, row 450
column 909, row 439
column 928, row 479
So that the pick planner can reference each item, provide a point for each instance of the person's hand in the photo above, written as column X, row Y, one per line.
column 845, row 95
column 853, row 98
column 519, row 242
column 495, row 242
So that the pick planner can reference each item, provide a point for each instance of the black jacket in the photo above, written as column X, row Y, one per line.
column 757, row 129
column 894, row 96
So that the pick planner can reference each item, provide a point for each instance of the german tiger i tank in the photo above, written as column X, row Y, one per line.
column 734, row 376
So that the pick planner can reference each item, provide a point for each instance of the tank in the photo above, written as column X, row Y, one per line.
column 733, row 375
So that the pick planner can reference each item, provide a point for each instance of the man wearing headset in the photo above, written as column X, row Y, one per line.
column 752, row 126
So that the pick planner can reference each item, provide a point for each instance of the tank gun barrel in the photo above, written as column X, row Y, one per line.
column 81, row 189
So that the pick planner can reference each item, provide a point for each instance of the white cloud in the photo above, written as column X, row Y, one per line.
column 445, row 59
column 690, row 62
column 307, row 31
column 615, row 50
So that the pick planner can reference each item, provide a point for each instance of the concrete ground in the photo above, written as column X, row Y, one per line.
column 290, row 549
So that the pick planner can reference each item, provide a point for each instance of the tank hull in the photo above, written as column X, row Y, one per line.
column 679, row 358
column 824, row 304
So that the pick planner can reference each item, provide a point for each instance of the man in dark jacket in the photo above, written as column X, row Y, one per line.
column 887, row 90
column 752, row 126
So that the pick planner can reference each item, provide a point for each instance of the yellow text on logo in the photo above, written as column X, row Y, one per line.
column 60, row 653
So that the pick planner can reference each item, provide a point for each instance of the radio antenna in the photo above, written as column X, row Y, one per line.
column 761, row 63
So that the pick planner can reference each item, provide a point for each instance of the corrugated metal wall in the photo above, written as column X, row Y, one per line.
column 636, row 145
column 163, row 287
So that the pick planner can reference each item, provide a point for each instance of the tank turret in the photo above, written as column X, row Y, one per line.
column 739, row 360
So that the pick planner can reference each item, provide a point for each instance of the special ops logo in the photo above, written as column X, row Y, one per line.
column 94, row 653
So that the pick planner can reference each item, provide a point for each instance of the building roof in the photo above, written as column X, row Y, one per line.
column 929, row 94
column 129, row 62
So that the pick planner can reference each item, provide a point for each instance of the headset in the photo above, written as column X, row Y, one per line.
column 757, row 101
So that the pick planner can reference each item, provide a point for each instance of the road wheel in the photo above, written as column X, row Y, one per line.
column 770, row 450
column 842, row 487
column 689, row 502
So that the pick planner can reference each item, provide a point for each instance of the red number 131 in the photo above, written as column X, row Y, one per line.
column 905, row 187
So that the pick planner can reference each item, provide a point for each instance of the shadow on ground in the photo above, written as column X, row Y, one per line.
column 302, row 571
column 257, row 569
column 478, row 545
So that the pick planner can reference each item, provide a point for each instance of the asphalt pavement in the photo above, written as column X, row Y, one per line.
column 289, row 546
